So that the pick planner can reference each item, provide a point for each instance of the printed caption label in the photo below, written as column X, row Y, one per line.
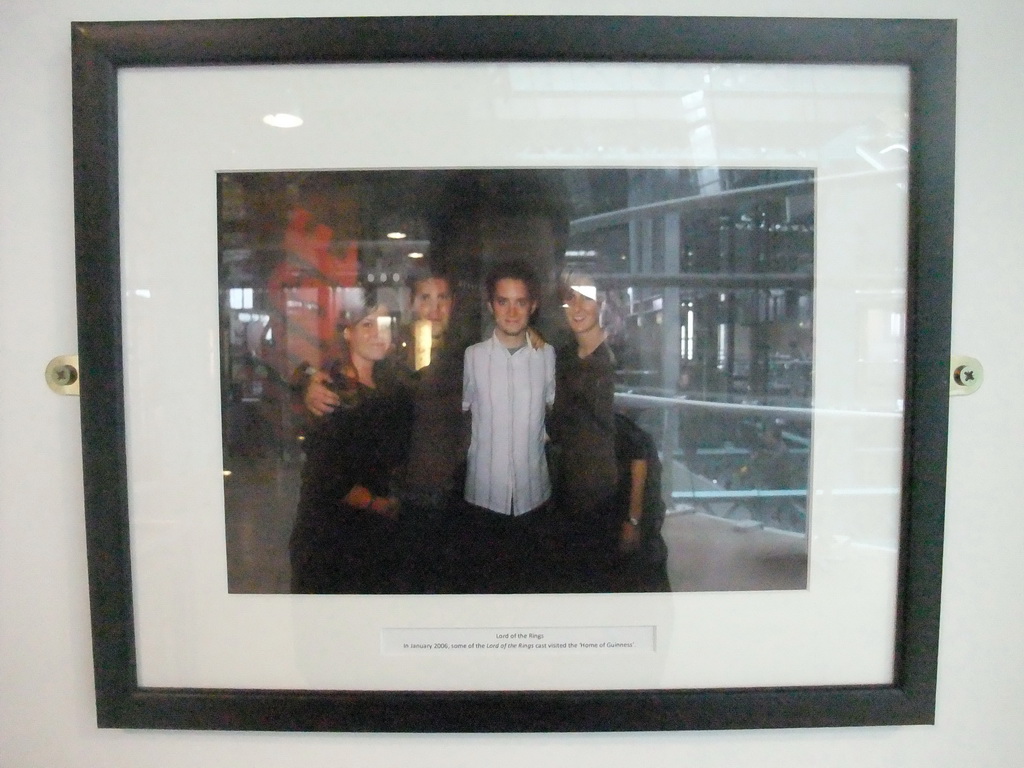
column 499, row 640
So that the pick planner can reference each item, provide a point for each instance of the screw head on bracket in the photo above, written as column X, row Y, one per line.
column 62, row 375
column 965, row 375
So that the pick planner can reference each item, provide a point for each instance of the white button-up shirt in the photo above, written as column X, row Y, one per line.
column 508, row 395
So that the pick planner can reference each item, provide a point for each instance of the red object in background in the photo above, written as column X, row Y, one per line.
column 308, row 277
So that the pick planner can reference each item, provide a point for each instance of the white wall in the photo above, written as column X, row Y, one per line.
column 47, row 715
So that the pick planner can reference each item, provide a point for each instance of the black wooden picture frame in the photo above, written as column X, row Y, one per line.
column 100, row 50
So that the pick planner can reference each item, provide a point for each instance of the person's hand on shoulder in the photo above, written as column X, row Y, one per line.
column 536, row 340
column 318, row 398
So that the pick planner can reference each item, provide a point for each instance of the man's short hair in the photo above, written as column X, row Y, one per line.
column 419, row 274
column 512, row 270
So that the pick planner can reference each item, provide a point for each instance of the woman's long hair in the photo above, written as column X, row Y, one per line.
column 342, row 371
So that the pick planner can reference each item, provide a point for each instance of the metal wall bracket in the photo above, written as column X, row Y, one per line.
column 62, row 374
column 965, row 375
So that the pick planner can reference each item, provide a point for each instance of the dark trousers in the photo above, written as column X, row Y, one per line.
column 430, row 549
column 501, row 554
column 581, row 543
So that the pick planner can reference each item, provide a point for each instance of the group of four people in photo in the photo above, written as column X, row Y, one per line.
column 498, row 468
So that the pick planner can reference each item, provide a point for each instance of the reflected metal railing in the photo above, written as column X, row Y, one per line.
column 737, row 490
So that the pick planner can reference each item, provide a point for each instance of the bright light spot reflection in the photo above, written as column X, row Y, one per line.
column 282, row 120
column 590, row 291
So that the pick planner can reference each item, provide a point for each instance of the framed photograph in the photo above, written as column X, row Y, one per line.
column 514, row 373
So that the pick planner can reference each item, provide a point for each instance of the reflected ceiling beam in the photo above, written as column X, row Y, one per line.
column 717, row 200
column 709, row 280
column 693, row 203
column 775, row 411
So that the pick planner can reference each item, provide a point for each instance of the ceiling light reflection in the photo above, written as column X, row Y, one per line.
column 282, row 120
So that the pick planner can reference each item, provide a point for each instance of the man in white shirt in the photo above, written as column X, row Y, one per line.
column 508, row 386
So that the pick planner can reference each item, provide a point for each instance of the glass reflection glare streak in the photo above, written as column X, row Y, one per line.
column 282, row 120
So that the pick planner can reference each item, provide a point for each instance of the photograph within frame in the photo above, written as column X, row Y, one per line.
column 727, row 319
column 909, row 699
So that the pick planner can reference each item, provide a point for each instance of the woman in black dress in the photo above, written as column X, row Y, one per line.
column 344, row 539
